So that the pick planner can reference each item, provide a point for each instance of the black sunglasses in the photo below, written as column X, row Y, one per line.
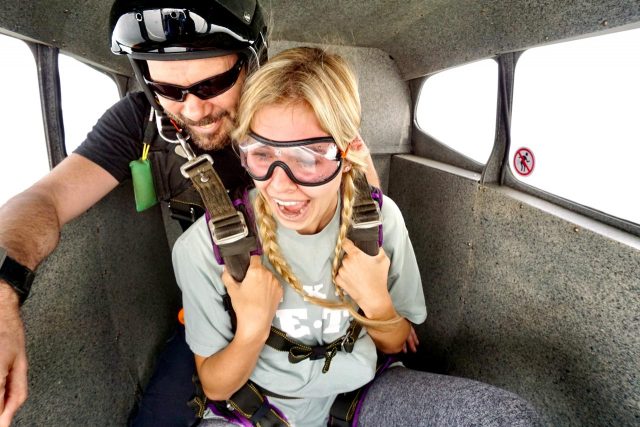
column 204, row 89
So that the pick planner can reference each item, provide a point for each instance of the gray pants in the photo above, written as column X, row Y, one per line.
column 403, row 397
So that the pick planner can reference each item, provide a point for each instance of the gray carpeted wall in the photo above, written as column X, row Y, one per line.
column 524, row 295
column 100, row 308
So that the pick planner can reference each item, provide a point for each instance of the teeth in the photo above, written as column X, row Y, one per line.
column 286, row 203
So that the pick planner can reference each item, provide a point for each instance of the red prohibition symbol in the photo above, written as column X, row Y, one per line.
column 524, row 161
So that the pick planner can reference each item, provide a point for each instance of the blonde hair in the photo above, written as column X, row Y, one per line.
column 324, row 82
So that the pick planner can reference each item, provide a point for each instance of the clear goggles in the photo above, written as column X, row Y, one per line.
column 307, row 162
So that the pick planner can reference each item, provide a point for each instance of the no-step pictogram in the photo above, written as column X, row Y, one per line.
column 524, row 161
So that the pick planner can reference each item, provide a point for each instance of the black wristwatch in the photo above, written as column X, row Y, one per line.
column 16, row 275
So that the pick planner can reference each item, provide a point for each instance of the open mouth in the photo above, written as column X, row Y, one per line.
column 291, row 209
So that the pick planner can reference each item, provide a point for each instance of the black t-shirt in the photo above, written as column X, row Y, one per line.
column 116, row 140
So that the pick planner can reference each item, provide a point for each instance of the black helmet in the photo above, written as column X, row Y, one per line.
column 187, row 29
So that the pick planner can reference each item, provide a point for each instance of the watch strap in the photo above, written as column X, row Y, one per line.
column 16, row 275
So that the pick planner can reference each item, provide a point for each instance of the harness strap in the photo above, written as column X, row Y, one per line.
column 366, row 227
column 227, row 226
column 346, row 407
column 298, row 351
column 253, row 405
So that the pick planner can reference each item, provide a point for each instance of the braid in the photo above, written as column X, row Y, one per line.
column 348, row 191
column 348, row 198
column 267, row 231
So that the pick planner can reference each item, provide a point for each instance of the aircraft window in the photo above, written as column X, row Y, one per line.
column 86, row 94
column 575, row 130
column 458, row 108
column 23, row 152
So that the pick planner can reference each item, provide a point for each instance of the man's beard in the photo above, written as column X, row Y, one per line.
column 209, row 141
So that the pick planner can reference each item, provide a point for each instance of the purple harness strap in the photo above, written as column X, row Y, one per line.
column 379, row 371
column 251, row 220
column 376, row 194
column 235, row 417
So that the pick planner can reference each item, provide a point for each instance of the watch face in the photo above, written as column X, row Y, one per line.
column 16, row 275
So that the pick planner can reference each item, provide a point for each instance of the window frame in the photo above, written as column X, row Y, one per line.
column 507, row 178
column 426, row 145
column 46, row 58
column 497, row 170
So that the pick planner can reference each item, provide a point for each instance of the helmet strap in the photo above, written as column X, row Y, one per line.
column 151, row 97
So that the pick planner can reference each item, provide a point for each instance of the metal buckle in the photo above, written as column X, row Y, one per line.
column 234, row 237
column 160, row 126
column 179, row 214
column 369, row 224
column 193, row 163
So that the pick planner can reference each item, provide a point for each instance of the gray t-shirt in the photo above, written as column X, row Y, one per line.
column 208, row 326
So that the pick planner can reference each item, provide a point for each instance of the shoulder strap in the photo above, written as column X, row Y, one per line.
column 227, row 226
column 366, row 226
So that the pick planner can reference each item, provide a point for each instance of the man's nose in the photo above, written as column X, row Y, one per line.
column 194, row 108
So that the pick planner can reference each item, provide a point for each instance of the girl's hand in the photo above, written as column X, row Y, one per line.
column 255, row 300
column 364, row 278
column 412, row 343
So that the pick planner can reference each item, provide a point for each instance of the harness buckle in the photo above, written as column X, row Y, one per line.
column 184, row 215
column 371, row 222
column 348, row 342
column 192, row 163
column 232, row 238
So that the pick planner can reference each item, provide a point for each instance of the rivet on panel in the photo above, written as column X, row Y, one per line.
column 576, row 229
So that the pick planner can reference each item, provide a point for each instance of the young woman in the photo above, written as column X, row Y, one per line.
column 297, row 125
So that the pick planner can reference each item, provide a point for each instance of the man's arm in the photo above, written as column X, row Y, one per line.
column 30, row 226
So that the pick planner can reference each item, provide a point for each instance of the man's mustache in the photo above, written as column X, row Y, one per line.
column 204, row 121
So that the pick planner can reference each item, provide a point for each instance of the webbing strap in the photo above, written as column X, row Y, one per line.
column 298, row 351
column 366, row 234
column 227, row 226
column 255, row 407
column 366, row 220
column 346, row 407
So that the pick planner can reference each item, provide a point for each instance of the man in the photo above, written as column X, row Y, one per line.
column 191, row 61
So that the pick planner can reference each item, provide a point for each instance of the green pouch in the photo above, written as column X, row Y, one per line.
column 143, row 188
